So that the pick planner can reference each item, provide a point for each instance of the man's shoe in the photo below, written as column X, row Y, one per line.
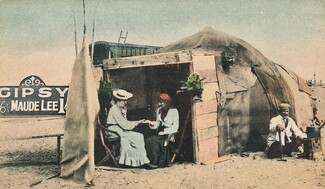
column 289, row 154
column 303, row 155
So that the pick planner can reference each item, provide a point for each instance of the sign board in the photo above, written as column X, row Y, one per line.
column 32, row 97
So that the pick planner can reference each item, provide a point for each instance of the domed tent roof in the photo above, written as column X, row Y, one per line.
column 243, row 117
column 210, row 39
column 265, row 70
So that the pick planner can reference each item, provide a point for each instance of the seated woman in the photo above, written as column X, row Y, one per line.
column 167, row 122
column 132, row 151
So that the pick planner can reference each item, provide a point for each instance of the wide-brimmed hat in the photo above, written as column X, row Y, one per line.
column 284, row 106
column 122, row 94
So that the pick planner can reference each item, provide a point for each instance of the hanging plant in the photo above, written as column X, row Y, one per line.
column 193, row 85
column 104, row 95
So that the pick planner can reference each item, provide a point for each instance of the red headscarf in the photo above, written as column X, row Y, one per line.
column 168, row 104
column 167, row 99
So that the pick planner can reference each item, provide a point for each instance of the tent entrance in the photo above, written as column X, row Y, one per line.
column 146, row 83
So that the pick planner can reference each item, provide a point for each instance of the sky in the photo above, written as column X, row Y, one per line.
column 37, row 37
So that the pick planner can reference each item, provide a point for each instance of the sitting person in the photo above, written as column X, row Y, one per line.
column 291, row 135
column 132, row 151
column 167, row 122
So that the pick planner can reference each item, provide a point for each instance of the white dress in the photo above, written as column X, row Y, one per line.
column 132, row 151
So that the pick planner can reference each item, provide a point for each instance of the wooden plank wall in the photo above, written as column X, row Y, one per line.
column 148, row 60
column 205, row 129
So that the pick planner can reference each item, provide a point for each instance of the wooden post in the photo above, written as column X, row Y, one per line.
column 58, row 142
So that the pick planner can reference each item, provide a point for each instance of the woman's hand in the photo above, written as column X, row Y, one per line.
column 161, row 133
column 141, row 121
column 151, row 123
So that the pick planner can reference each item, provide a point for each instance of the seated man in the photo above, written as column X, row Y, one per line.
column 290, row 134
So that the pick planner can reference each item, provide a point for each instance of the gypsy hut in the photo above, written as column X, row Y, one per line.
column 241, row 92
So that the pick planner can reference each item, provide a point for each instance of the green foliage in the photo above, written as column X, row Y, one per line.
column 193, row 84
column 104, row 93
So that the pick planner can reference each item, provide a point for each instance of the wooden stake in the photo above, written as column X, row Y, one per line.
column 84, row 16
column 93, row 38
column 75, row 35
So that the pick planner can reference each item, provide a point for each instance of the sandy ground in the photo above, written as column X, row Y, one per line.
column 39, row 157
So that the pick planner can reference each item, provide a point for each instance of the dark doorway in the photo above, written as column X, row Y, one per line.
column 146, row 83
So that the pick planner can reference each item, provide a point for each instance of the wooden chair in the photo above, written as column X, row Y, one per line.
column 167, row 143
column 109, row 144
column 177, row 151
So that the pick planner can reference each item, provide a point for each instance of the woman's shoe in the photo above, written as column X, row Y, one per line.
column 150, row 166
column 169, row 165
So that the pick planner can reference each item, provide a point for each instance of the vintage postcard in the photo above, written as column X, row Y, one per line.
column 162, row 94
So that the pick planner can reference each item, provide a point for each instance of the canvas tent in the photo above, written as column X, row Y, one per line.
column 250, row 89
column 81, row 118
column 241, row 91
